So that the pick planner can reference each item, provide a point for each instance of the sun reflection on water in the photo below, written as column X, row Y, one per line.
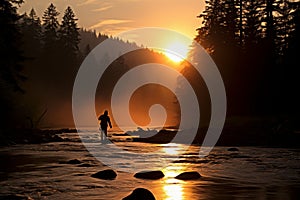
column 174, row 192
column 172, row 149
column 173, row 188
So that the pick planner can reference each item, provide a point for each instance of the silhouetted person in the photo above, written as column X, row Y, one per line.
column 104, row 122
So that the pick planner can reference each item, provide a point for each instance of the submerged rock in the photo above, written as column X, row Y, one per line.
column 140, row 194
column 233, row 149
column 74, row 161
column 107, row 174
column 149, row 175
column 188, row 176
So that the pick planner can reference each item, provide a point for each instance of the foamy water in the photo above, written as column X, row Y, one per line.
column 40, row 171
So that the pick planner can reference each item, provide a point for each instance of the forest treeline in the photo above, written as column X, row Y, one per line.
column 40, row 57
column 256, row 46
column 39, row 61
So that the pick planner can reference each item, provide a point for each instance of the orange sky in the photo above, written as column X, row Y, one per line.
column 114, row 16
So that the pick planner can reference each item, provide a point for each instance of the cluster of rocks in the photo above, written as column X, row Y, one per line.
column 142, row 193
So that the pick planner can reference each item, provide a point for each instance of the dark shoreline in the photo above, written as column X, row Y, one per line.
column 33, row 136
column 238, row 131
column 229, row 137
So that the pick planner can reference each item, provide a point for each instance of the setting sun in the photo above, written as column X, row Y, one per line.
column 176, row 51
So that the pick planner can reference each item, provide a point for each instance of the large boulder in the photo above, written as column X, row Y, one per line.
column 188, row 176
column 107, row 174
column 140, row 194
column 153, row 175
column 233, row 149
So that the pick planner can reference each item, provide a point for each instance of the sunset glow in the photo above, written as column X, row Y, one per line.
column 177, row 51
column 110, row 17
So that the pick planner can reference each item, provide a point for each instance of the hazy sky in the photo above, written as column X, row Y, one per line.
column 114, row 16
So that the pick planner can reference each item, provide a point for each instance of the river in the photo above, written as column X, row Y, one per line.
column 42, row 171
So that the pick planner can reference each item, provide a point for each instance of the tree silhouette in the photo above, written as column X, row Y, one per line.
column 10, row 61
column 49, row 60
column 51, row 25
column 69, row 39
column 32, row 33
column 69, row 33
column 254, row 44
column 219, row 35
column 10, row 45
column 291, row 60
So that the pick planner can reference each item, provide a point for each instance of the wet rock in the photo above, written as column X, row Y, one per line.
column 188, row 176
column 57, row 138
column 153, row 175
column 74, row 161
column 140, row 193
column 107, row 174
column 233, row 149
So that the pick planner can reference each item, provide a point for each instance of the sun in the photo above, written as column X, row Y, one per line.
column 173, row 57
column 176, row 51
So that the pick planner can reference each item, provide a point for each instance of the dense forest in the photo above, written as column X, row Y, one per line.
column 40, row 61
column 41, row 57
column 255, row 45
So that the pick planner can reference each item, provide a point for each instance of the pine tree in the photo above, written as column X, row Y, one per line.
column 51, row 25
column 69, row 54
column 11, row 55
column 252, row 31
column 10, row 61
column 208, row 33
column 271, row 29
column 69, row 33
column 291, row 62
column 32, row 34
column 220, row 26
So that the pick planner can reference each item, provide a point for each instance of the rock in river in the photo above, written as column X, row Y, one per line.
column 107, row 174
column 140, row 194
column 74, row 161
column 149, row 175
column 188, row 176
column 233, row 149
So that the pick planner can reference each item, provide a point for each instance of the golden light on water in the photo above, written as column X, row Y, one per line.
column 171, row 149
column 173, row 189
column 174, row 192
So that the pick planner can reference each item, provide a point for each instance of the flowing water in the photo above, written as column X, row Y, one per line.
column 41, row 171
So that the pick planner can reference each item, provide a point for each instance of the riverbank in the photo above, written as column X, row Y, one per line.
column 32, row 136
column 238, row 131
column 244, row 131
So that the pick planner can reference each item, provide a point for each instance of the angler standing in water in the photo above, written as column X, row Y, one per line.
column 104, row 123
